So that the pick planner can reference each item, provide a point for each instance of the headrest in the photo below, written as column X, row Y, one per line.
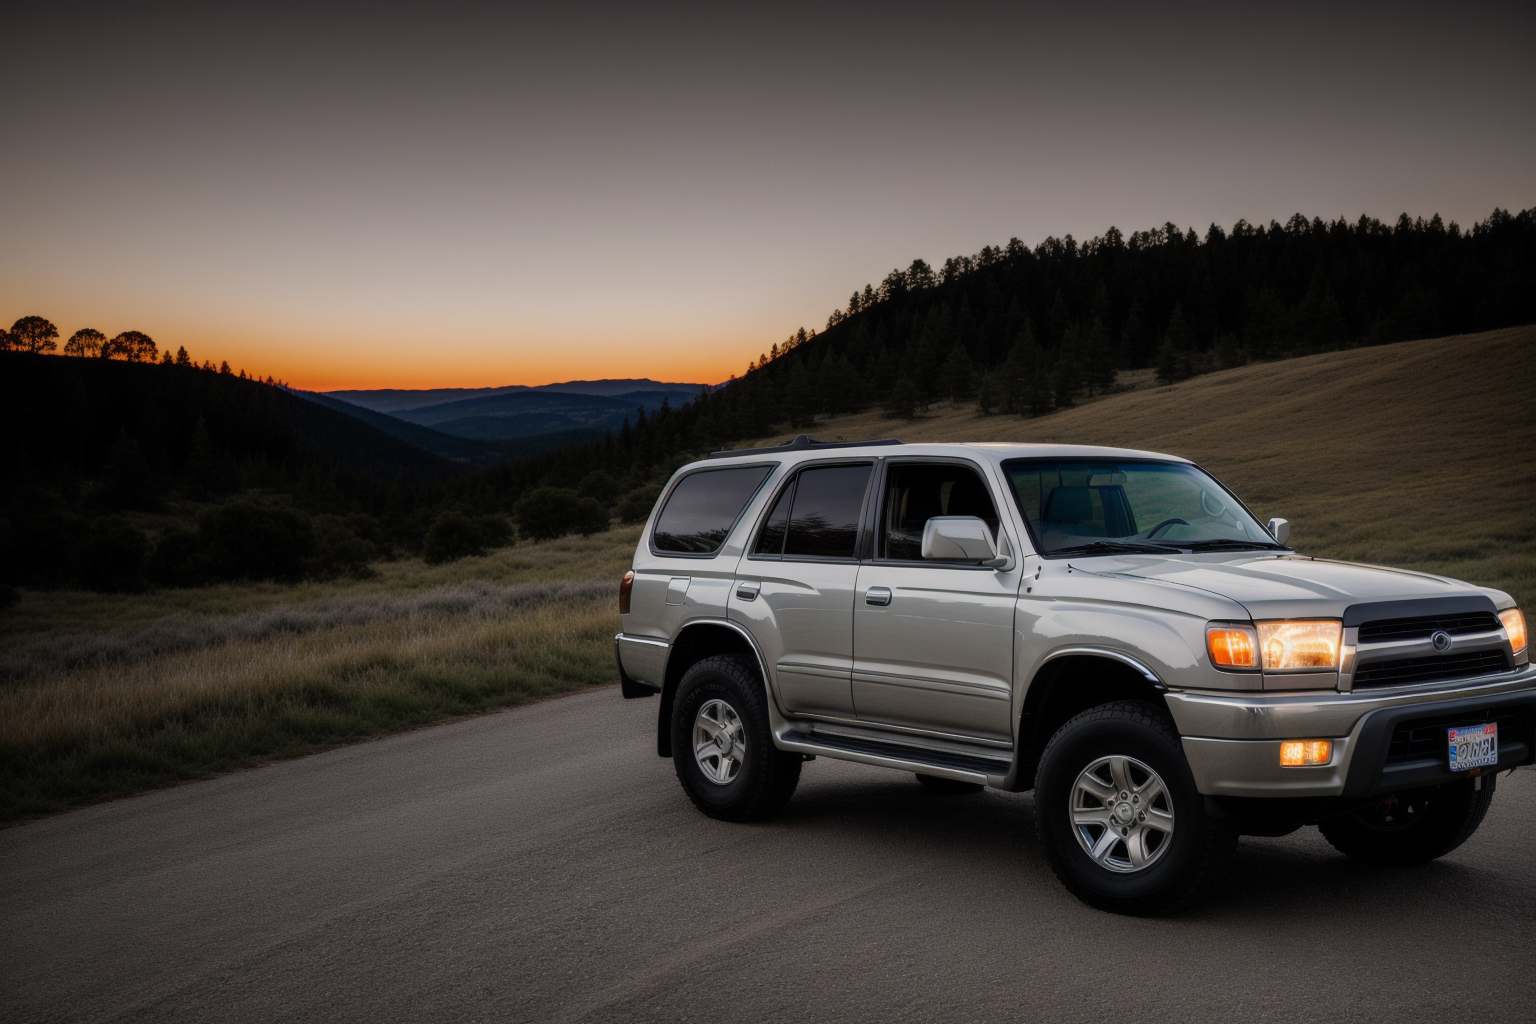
column 1068, row 505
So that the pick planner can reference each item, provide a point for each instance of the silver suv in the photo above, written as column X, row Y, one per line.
column 1113, row 629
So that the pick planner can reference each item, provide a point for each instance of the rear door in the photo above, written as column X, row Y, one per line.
column 933, row 641
column 795, row 587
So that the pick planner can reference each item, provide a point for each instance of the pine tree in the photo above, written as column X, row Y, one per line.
column 958, row 376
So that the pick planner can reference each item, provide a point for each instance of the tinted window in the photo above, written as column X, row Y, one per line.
column 916, row 493
column 703, row 507
column 770, row 540
column 824, row 516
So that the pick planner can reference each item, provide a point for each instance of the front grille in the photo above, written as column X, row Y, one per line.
column 1418, row 670
column 1424, row 625
column 1425, row 737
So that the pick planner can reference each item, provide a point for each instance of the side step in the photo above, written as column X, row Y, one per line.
column 917, row 757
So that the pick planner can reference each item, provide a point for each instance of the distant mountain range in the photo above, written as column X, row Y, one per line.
column 479, row 426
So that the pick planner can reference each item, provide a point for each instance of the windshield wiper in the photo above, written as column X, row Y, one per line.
column 1232, row 545
column 1109, row 546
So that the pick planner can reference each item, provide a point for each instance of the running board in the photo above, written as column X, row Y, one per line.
column 968, row 768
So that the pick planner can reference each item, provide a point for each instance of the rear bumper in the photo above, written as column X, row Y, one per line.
column 1233, row 742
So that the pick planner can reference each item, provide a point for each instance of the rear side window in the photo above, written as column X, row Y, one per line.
column 824, row 504
column 704, row 506
column 914, row 493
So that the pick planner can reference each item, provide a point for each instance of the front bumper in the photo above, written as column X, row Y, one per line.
column 1233, row 742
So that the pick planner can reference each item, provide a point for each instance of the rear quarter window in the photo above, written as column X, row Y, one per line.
column 703, row 507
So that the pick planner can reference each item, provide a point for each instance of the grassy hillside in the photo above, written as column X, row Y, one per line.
column 1416, row 454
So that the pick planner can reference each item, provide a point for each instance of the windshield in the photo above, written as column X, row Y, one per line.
column 1109, row 505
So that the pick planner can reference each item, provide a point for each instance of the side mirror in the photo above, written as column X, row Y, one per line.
column 968, row 538
column 1280, row 529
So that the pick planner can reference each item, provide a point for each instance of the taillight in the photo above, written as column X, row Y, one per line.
column 625, row 586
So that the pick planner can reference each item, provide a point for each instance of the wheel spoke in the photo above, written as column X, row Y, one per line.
column 1091, row 816
column 1160, row 820
column 1089, row 784
column 1136, row 848
column 1121, row 774
column 1150, row 790
column 1104, row 844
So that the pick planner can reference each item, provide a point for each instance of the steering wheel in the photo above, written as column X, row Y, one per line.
column 1175, row 521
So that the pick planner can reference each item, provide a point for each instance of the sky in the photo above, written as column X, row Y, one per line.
column 470, row 196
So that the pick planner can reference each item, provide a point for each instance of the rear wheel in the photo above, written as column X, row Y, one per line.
column 1120, row 819
column 722, row 744
column 1411, row 827
column 949, row 787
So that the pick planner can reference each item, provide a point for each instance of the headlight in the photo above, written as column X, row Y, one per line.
column 1514, row 626
column 1288, row 646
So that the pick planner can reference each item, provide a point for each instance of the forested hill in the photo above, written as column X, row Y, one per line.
column 69, row 422
column 1024, row 331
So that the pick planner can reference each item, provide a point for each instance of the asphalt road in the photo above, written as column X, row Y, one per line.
column 543, row 865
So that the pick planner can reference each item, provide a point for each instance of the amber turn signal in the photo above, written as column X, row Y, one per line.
column 1300, row 753
column 1232, row 646
column 625, row 586
column 1514, row 627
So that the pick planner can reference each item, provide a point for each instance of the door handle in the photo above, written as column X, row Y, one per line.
column 747, row 591
column 880, row 596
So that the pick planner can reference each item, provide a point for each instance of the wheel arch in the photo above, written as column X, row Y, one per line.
column 1072, row 681
column 698, row 640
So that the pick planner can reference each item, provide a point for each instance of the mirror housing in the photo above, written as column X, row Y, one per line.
column 968, row 538
column 1280, row 529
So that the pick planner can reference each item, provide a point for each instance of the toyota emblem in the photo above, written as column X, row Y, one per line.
column 1441, row 640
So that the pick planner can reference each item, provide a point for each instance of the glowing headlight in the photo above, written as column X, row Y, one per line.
column 1514, row 626
column 1287, row 646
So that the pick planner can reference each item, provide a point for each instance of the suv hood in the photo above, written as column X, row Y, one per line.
column 1298, row 586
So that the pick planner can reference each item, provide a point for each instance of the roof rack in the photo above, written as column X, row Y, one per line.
column 802, row 443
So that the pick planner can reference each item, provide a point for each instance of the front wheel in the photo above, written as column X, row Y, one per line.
column 722, row 744
column 1120, row 819
column 1411, row 827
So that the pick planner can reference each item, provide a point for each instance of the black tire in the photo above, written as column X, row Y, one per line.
column 1185, row 867
column 948, row 787
column 1411, row 827
column 766, row 776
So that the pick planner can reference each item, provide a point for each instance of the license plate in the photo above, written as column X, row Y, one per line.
column 1473, row 746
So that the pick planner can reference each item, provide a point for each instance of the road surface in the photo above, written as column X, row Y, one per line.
column 542, row 864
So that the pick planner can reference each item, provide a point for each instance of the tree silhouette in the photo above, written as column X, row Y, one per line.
column 133, row 346
column 85, row 343
column 32, row 334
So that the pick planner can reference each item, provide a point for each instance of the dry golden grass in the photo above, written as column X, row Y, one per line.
column 1417, row 454
column 178, row 684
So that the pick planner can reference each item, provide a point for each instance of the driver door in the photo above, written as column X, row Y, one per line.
column 933, row 641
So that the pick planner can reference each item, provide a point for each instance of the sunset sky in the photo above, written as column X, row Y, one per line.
column 471, row 197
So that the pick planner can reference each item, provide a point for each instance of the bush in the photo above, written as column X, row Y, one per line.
column 454, row 535
column 600, row 487
column 177, row 558
column 113, row 556
column 545, row 513
column 255, row 540
column 635, row 507
column 343, row 547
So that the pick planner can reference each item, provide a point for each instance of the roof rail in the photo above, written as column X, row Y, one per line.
column 802, row 443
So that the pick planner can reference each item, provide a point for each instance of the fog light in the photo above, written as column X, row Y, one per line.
column 1300, row 753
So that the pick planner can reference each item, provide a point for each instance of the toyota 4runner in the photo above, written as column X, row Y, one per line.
column 1113, row 629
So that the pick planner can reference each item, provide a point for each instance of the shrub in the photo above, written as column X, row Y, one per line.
column 177, row 558
column 635, row 507
column 545, row 513
column 599, row 486
column 342, row 547
column 113, row 556
column 454, row 535
column 255, row 540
